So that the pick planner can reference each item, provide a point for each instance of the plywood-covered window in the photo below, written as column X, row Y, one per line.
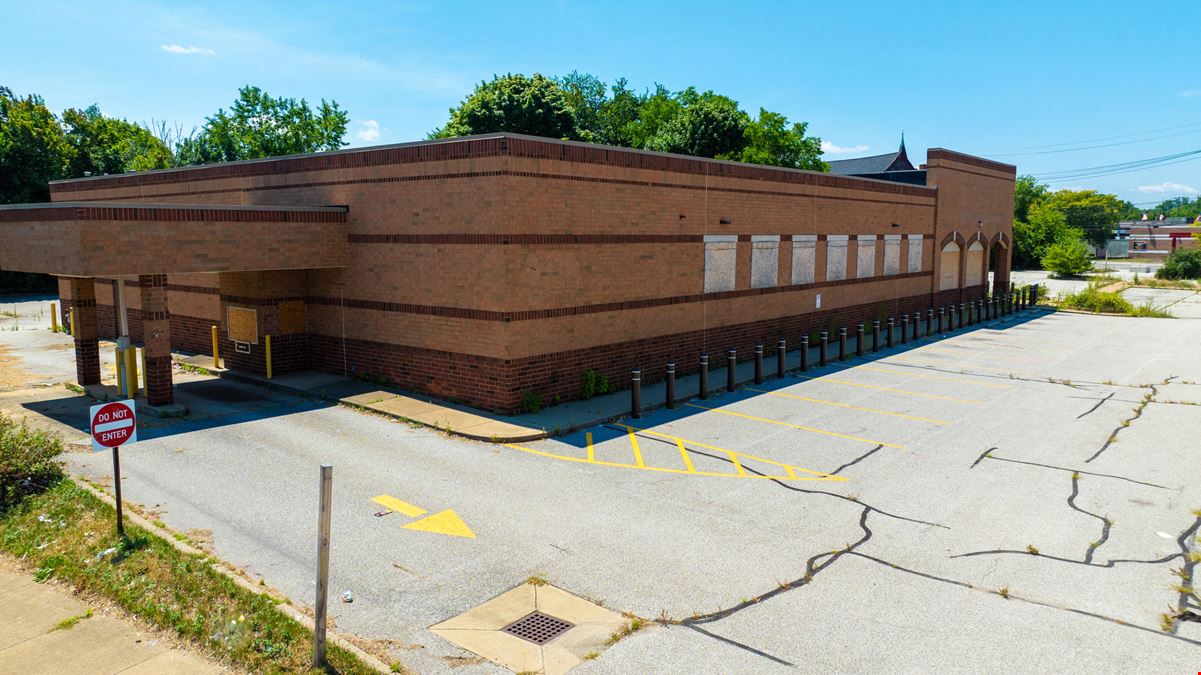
column 892, row 254
column 804, row 258
column 836, row 257
column 948, row 267
column 765, row 260
column 915, row 253
column 865, row 259
column 973, row 273
column 721, row 260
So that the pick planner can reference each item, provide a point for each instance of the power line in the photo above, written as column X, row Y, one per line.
column 1122, row 167
column 1095, row 140
column 1093, row 147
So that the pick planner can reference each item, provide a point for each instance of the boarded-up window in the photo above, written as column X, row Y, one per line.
column 836, row 257
column 865, row 261
column 721, row 259
column 765, row 260
column 973, row 273
column 804, row 258
column 915, row 252
column 243, row 324
column 948, row 264
column 892, row 254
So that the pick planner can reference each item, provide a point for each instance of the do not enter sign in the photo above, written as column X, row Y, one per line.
column 113, row 424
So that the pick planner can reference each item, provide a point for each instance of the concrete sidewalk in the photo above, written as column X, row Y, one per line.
column 567, row 417
column 34, row 637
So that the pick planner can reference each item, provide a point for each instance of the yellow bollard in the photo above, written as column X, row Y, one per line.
column 119, row 364
column 131, row 372
column 145, row 375
column 74, row 323
column 268, row 357
column 216, row 356
column 53, row 317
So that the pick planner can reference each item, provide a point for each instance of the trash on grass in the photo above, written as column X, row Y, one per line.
column 347, row 596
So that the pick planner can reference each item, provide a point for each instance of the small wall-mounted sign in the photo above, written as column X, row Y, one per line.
column 819, row 301
column 242, row 347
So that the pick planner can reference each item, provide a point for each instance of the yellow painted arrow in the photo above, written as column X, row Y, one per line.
column 444, row 522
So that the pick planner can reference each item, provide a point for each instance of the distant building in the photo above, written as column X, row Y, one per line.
column 1158, row 237
column 892, row 166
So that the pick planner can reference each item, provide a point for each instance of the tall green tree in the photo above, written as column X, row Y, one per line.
column 770, row 140
column 1027, row 191
column 258, row 125
column 1031, row 238
column 709, row 125
column 33, row 149
column 106, row 145
column 1093, row 213
column 527, row 105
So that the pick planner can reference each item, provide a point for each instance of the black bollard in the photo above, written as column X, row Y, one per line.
column 904, row 328
column 875, row 335
column 859, row 340
column 671, row 386
column 804, row 352
column 963, row 315
column 929, row 322
column 704, row 391
column 636, row 393
column 731, row 362
column 892, row 332
column 825, row 348
column 781, row 354
column 842, row 343
column 758, row 363
column 942, row 312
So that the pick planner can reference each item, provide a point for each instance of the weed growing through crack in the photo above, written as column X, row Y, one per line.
column 1167, row 622
column 1182, row 573
column 536, row 580
column 1003, row 592
column 591, row 656
column 1031, row 549
column 69, row 623
column 633, row 626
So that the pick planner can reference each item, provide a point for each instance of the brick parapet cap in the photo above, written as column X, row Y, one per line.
column 63, row 211
column 484, row 146
column 934, row 156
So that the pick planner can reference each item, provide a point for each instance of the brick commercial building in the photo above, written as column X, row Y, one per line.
column 479, row 269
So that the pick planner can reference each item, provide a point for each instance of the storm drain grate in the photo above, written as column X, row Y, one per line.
column 538, row 628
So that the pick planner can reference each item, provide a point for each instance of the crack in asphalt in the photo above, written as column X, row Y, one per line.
column 1183, row 605
column 986, row 455
column 1106, row 523
column 1098, row 405
column 855, row 461
column 1049, row 380
column 1012, row 596
column 1138, row 412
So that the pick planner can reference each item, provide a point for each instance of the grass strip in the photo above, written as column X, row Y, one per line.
column 67, row 533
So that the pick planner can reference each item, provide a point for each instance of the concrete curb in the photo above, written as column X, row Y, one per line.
column 285, row 607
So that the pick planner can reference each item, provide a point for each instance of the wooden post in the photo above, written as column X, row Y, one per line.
column 323, row 518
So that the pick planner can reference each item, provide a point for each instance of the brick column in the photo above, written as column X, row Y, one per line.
column 156, row 336
column 87, row 342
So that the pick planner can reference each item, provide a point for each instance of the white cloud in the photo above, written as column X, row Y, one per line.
column 830, row 148
column 1167, row 187
column 1189, row 93
column 369, row 131
column 180, row 49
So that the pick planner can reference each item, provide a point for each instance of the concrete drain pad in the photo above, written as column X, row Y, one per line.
column 533, row 628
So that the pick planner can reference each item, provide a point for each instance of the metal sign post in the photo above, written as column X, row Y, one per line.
column 323, row 517
column 113, row 425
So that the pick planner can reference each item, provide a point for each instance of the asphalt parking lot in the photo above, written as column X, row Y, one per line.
column 1012, row 496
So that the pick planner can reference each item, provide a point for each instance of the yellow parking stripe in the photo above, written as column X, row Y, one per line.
column 893, row 391
column 851, row 407
column 797, row 426
column 591, row 450
column 684, row 456
column 637, row 451
column 924, row 376
column 398, row 506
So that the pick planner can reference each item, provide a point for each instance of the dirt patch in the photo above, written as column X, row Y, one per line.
column 461, row 661
column 201, row 538
column 12, row 377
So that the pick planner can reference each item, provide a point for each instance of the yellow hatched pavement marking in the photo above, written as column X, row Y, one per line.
column 851, row 407
column 890, row 390
column 637, row 451
column 790, row 472
column 943, row 378
column 398, row 506
column 823, row 432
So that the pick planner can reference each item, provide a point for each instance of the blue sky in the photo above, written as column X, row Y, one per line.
column 1000, row 79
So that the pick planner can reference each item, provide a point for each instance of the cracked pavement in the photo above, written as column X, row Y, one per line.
column 945, row 463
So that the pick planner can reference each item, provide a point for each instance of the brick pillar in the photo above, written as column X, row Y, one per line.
column 87, row 342
column 156, row 336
